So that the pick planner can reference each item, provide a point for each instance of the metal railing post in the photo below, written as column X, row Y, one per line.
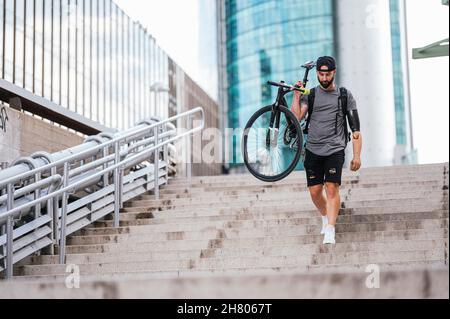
column 37, row 194
column 52, row 234
column 9, row 234
column 52, row 210
column 105, row 166
column 189, row 152
column 55, row 213
column 121, row 186
column 117, row 200
column 156, row 163
column 166, row 160
column 62, row 247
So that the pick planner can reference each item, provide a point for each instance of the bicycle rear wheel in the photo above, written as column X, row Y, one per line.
column 272, row 152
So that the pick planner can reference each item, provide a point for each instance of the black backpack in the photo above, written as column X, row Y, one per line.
column 343, row 102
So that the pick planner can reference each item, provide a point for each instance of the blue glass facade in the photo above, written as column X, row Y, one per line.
column 400, row 115
column 269, row 40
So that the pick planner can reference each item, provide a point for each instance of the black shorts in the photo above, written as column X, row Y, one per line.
column 324, row 169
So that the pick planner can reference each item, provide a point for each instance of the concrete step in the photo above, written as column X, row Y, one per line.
column 301, row 186
column 259, row 241
column 137, row 254
column 417, row 284
column 345, row 183
column 410, row 265
column 237, row 213
column 212, row 232
column 365, row 172
column 254, row 192
column 243, row 262
column 301, row 177
column 289, row 195
column 407, row 169
column 230, row 221
column 376, row 236
column 433, row 203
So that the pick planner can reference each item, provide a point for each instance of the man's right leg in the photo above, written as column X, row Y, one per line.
column 319, row 199
column 315, row 177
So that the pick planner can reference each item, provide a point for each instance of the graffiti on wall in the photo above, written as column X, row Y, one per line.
column 3, row 119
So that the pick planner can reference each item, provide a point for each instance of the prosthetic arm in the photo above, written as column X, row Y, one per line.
column 353, row 120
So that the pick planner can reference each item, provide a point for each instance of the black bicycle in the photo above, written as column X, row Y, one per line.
column 273, row 139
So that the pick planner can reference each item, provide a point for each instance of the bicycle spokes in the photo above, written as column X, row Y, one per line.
column 267, row 150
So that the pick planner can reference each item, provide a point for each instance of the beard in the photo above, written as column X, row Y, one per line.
column 326, row 84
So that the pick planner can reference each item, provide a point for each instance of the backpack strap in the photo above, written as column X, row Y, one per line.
column 311, row 98
column 343, row 104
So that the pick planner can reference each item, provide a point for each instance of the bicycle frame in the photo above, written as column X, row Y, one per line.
column 281, row 101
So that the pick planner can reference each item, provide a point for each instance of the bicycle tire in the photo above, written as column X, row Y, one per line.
column 266, row 178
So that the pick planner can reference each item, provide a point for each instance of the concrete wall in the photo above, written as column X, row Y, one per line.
column 22, row 135
column 185, row 94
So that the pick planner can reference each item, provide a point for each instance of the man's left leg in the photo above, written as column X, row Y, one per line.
column 333, row 202
column 333, row 176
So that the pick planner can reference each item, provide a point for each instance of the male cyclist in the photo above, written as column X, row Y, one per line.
column 327, row 140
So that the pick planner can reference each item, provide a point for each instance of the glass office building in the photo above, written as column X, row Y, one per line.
column 85, row 55
column 270, row 40
column 398, row 73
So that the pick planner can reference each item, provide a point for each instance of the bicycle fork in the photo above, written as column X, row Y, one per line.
column 274, row 128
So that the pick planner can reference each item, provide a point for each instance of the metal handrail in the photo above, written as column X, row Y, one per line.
column 33, row 187
column 72, row 187
column 119, row 166
column 99, row 147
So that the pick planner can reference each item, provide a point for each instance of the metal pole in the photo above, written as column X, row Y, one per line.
column 156, row 108
column 55, row 213
column 156, row 162
column 62, row 248
column 52, row 210
column 9, row 234
column 105, row 166
column 166, row 159
column 121, row 185
column 37, row 194
column 117, row 187
column 158, row 103
column 189, row 154
column 52, row 237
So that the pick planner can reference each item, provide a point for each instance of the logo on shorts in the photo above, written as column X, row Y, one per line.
column 312, row 175
column 332, row 171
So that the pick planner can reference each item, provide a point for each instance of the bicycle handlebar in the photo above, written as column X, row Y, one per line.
column 290, row 87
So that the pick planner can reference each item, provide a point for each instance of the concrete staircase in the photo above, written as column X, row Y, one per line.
column 236, row 237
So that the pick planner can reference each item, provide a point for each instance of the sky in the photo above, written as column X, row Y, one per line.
column 174, row 24
column 429, row 81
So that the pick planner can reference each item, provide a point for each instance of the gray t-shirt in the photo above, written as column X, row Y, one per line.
column 322, row 137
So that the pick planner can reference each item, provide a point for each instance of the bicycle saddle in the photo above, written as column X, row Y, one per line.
column 309, row 65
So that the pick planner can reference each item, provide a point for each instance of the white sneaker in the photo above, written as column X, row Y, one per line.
column 324, row 224
column 330, row 234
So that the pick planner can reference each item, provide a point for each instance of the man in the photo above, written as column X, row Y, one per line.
column 327, row 140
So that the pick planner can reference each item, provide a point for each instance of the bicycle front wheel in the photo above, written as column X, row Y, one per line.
column 271, row 152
